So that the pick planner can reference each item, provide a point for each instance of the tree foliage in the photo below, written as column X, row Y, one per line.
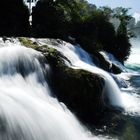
column 76, row 18
column 89, row 25
column 14, row 17
column 48, row 19
column 123, row 46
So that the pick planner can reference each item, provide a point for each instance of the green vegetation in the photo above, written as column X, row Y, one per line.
column 129, row 132
column 80, row 90
column 27, row 42
column 67, row 19
column 123, row 45
column 91, row 27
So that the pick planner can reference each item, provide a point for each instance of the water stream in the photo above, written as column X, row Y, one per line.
column 27, row 109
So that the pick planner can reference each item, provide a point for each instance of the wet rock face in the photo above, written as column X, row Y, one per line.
column 104, row 64
column 79, row 90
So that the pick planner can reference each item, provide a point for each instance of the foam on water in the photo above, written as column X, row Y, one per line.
column 131, row 95
column 125, row 98
column 110, row 58
column 27, row 110
column 80, row 59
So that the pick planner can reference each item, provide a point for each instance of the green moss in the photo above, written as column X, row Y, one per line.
column 129, row 132
column 80, row 90
column 52, row 51
column 27, row 42
column 45, row 46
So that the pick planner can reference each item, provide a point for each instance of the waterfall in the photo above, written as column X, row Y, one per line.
column 27, row 110
column 125, row 98
column 80, row 59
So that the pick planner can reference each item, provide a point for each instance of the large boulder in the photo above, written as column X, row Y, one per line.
column 81, row 91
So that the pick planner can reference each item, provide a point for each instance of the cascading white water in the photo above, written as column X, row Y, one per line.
column 130, row 94
column 125, row 98
column 27, row 111
column 133, row 76
column 80, row 59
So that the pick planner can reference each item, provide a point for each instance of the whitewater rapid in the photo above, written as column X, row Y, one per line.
column 27, row 109
column 124, row 98
column 133, row 77
column 80, row 59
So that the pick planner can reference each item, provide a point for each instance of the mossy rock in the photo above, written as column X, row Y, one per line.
column 28, row 43
column 80, row 90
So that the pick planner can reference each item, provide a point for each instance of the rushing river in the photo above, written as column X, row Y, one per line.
column 132, row 128
column 27, row 109
column 133, row 66
column 29, row 112
column 126, row 97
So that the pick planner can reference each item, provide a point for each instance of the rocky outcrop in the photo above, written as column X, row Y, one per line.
column 81, row 91
column 104, row 64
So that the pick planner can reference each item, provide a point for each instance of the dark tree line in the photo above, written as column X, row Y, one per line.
column 79, row 19
column 14, row 17
column 90, row 26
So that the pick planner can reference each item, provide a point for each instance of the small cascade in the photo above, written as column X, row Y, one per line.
column 80, row 59
column 128, row 95
column 27, row 110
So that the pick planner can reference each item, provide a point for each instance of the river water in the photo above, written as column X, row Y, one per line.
column 29, row 112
